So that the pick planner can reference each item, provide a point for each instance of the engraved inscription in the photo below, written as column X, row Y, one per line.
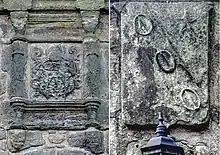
column 143, row 25
column 55, row 72
column 166, row 61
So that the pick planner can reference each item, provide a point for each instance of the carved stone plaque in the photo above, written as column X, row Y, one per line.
column 165, row 62
column 55, row 71
column 51, row 96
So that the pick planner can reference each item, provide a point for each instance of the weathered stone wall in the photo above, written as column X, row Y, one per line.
column 54, row 77
column 165, row 57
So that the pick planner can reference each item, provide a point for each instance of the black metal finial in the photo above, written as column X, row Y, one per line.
column 161, row 128
column 161, row 144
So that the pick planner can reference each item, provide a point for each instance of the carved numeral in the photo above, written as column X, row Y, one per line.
column 143, row 25
column 166, row 61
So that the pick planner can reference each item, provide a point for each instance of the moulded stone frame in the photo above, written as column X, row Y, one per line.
column 86, row 106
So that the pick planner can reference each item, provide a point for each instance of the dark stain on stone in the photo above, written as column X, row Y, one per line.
column 145, row 60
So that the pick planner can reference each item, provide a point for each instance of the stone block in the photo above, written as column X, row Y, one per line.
column 76, row 139
column 70, row 152
column 17, row 5
column 3, row 145
column 19, row 21
column 55, row 120
column 102, row 31
column 90, row 20
column 94, row 142
column 4, row 152
column 90, row 4
column 90, row 140
column 2, row 133
column 19, row 139
column 165, row 62
column 6, row 29
column 41, row 152
column 56, row 138
column 3, row 78
column 55, row 27
column 53, row 5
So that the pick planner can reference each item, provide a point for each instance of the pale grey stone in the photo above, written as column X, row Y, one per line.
column 2, row 134
column 165, row 62
column 3, row 145
column 76, row 139
column 94, row 141
column 19, row 21
column 125, row 134
column 56, row 138
column 4, row 152
column 3, row 78
column 102, row 31
column 21, row 139
column 90, row 5
column 70, row 152
column 90, row 20
column 57, row 27
column 56, row 5
column 17, row 4
column 41, row 152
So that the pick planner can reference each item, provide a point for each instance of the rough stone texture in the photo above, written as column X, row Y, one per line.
column 102, row 31
column 94, row 141
column 90, row 140
column 90, row 20
column 3, row 78
column 76, row 139
column 17, row 5
column 70, row 152
column 41, row 152
column 90, row 5
column 21, row 139
column 4, row 153
column 6, row 30
column 61, row 26
column 2, row 134
column 44, row 70
column 55, row 5
column 146, row 73
column 19, row 21
column 61, row 77
column 56, row 138
column 165, row 60
column 104, row 78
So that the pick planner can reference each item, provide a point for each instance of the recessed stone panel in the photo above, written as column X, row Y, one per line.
column 165, row 62
column 55, row 71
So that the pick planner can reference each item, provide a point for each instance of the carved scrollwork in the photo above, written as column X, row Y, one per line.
column 55, row 74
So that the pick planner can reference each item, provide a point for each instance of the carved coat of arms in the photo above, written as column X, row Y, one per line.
column 55, row 72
